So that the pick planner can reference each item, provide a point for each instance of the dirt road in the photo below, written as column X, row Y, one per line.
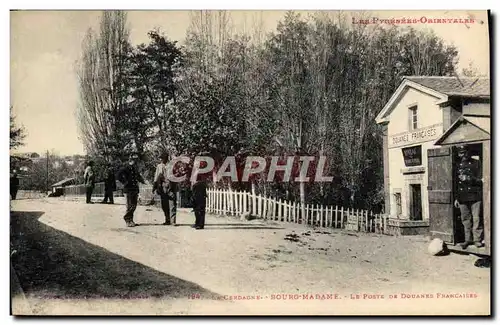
column 73, row 258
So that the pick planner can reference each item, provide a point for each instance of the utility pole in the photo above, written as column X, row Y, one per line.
column 47, row 175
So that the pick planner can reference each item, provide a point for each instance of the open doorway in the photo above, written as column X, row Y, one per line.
column 415, row 202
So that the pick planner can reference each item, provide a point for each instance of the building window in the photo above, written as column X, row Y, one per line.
column 399, row 206
column 413, row 117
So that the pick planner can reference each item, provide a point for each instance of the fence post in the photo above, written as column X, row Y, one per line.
column 216, row 201
column 219, row 201
column 240, row 203
column 254, row 202
column 264, row 208
column 278, row 204
column 244, row 198
column 328, row 216
column 336, row 216
column 242, row 206
column 317, row 216
column 370, row 218
column 236, row 195
column 331, row 216
column 224, row 201
column 234, row 202
column 288, row 211
column 209, row 199
column 310, row 220
column 214, row 196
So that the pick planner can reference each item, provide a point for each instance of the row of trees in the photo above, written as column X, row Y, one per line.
column 313, row 86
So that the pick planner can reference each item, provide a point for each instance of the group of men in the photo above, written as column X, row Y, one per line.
column 130, row 177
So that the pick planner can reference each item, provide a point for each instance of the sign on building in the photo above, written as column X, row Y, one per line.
column 412, row 156
column 417, row 136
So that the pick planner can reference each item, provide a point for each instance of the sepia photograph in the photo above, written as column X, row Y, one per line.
column 250, row 163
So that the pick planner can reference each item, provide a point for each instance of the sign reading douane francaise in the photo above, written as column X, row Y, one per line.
column 412, row 156
column 420, row 135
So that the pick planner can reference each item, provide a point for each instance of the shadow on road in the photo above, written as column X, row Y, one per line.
column 53, row 264
column 465, row 252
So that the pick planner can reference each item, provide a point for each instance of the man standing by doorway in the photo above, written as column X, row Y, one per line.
column 469, row 195
column 89, row 180
column 167, row 191
column 130, row 177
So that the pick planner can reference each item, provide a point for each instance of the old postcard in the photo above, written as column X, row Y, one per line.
column 250, row 163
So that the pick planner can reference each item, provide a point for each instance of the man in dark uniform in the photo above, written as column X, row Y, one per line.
column 109, row 185
column 14, row 185
column 469, row 196
column 199, row 196
column 167, row 191
column 130, row 178
column 89, row 180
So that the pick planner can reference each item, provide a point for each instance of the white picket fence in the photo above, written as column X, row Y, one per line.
column 80, row 190
column 235, row 203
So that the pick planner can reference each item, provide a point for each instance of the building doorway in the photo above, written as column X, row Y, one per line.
column 415, row 202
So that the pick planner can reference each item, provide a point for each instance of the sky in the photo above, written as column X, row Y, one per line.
column 46, row 46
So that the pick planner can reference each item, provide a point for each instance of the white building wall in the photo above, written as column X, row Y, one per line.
column 430, row 119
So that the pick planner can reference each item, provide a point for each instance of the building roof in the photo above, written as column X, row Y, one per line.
column 482, row 123
column 453, row 86
column 439, row 87
column 64, row 182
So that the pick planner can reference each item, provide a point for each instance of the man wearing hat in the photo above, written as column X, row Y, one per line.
column 130, row 177
column 14, row 185
column 89, row 180
column 199, row 197
column 468, row 199
column 167, row 191
column 109, row 184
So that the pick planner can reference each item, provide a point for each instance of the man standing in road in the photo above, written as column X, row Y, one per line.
column 199, row 191
column 167, row 191
column 89, row 180
column 469, row 198
column 130, row 177
column 14, row 185
column 109, row 185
